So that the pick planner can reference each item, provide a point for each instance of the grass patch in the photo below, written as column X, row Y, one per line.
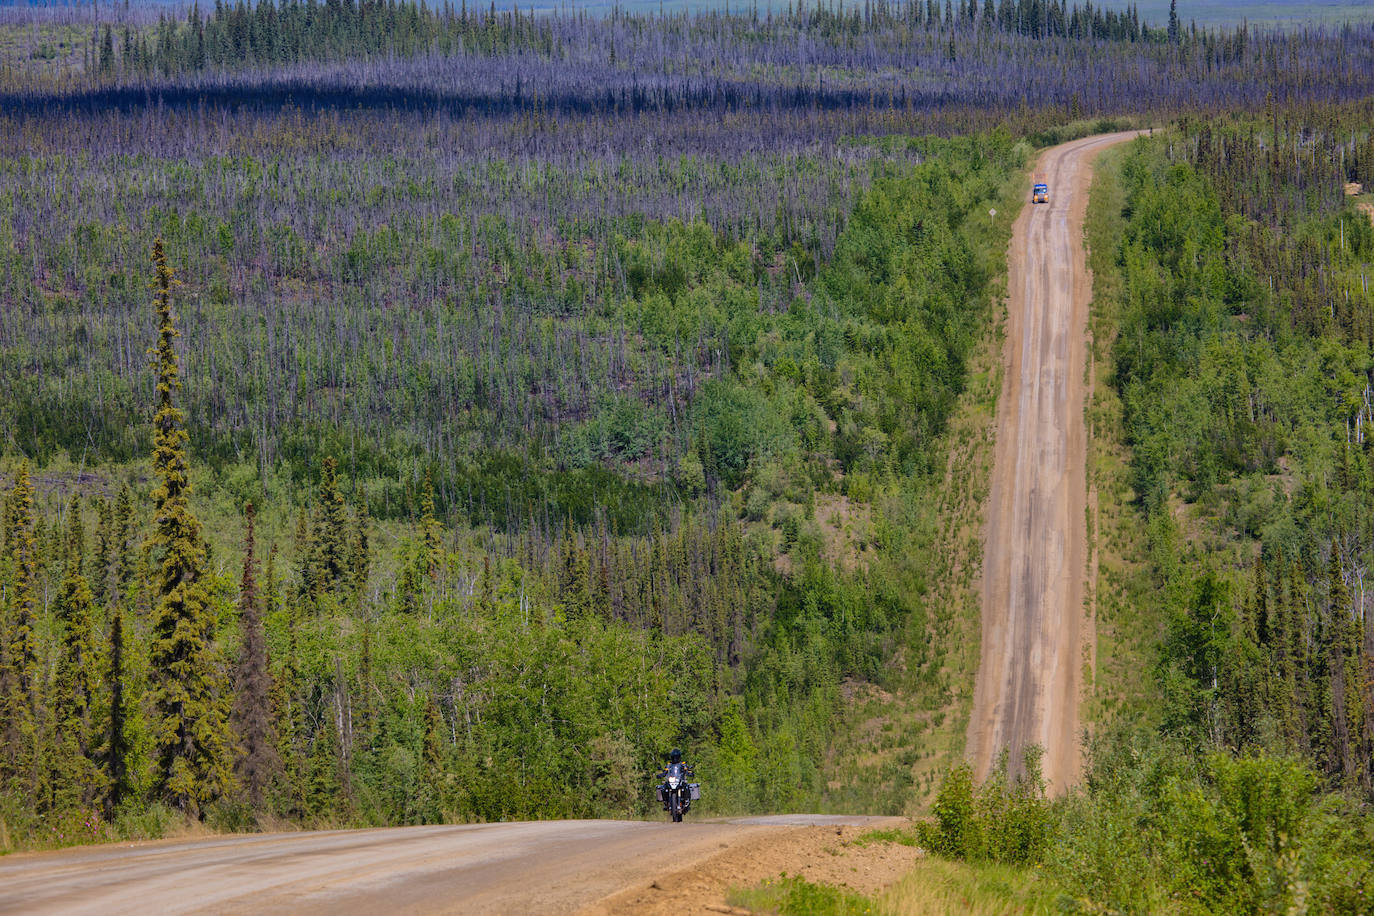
column 793, row 896
column 1124, row 610
column 22, row 830
column 891, row 835
column 937, row 887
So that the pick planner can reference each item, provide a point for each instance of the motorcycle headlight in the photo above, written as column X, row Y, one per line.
column 672, row 782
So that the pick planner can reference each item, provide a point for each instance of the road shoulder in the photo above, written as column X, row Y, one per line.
column 825, row 854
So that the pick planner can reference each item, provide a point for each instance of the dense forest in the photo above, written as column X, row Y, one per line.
column 530, row 393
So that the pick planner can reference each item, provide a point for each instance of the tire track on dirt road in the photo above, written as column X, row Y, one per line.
column 1034, row 629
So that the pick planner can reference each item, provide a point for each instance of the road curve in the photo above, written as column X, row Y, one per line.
column 527, row 868
column 1033, row 633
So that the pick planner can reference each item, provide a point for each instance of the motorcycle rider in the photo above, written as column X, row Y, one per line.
column 674, row 756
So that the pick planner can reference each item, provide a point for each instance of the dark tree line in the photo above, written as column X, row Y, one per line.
column 270, row 32
column 1019, row 52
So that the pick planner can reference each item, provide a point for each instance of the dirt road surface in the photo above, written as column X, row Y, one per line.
column 526, row 868
column 1034, row 631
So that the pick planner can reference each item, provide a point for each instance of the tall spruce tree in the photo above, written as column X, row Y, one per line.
column 190, row 732
column 431, row 794
column 330, row 553
column 430, row 529
column 1342, row 670
column 305, row 556
column 18, row 656
column 284, row 700
column 359, row 544
column 252, row 714
column 118, row 744
column 323, row 781
column 125, row 559
column 76, row 779
column 98, row 574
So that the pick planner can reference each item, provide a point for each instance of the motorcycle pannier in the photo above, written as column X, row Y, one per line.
column 658, row 793
column 696, row 791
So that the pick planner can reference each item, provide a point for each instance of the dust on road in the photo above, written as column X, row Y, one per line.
column 1034, row 632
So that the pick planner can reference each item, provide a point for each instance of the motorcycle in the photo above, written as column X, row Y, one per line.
column 675, row 793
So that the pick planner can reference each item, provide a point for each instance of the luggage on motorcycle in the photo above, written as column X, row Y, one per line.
column 658, row 793
column 696, row 790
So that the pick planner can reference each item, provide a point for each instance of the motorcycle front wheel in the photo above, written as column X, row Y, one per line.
column 676, row 808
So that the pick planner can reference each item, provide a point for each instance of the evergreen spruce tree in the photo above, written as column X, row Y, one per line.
column 360, row 545
column 331, row 556
column 285, row 705
column 305, row 556
column 125, row 558
column 251, row 718
column 98, row 574
column 1242, row 679
column 431, row 530
column 1262, row 623
column 107, row 54
column 431, row 796
column 76, row 779
column 18, row 655
column 190, row 732
column 1292, row 662
column 410, row 579
column 366, row 716
column 1343, row 651
column 574, row 581
column 323, row 784
column 118, row 745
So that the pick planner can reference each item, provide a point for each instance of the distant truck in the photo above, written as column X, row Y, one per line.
column 1040, row 192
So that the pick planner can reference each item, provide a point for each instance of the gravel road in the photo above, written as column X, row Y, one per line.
column 1034, row 633
column 526, row 868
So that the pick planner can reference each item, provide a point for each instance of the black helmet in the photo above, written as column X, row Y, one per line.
column 675, row 756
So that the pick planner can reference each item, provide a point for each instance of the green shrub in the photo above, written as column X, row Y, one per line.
column 1156, row 830
column 738, row 426
column 139, row 822
column 1004, row 820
